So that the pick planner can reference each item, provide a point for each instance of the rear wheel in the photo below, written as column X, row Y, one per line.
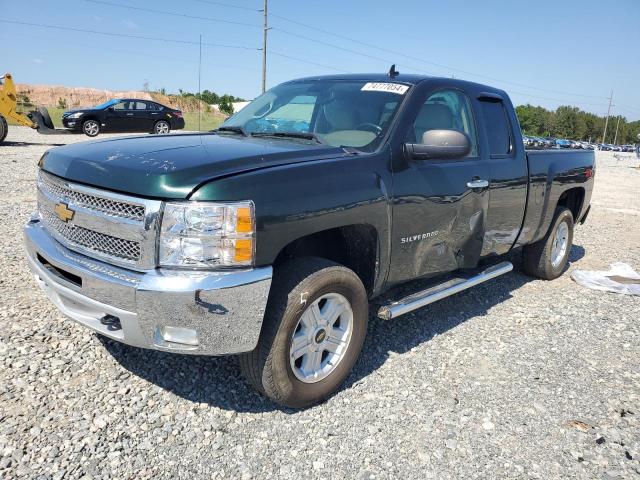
column 91, row 127
column 4, row 128
column 548, row 257
column 161, row 127
column 313, row 331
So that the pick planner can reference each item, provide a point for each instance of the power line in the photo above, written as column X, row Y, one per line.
column 394, row 52
column 557, row 99
column 264, row 45
column 271, row 52
column 413, row 68
column 222, row 4
column 127, row 35
column 175, row 14
column 604, row 134
column 183, row 42
column 148, row 55
column 633, row 110
column 343, row 49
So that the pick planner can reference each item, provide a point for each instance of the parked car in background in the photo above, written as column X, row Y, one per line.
column 527, row 140
column 549, row 142
column 561, row 143
column 124, row 115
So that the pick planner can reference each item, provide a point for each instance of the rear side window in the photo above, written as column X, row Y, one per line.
column 497, row 127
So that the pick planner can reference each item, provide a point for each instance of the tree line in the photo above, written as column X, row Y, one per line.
column 224, row 102
column 574, row 124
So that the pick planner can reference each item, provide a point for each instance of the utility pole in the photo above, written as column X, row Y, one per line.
column 264, row 47
column 615, row 139
column 604, row 135
column 199, row 89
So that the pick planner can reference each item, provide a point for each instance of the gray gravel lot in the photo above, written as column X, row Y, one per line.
column 518, row 378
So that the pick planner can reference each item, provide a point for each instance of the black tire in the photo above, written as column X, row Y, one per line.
column 91, row 127
column 46, row 118
column 538, row 257
column 161, row 127
column 4, row 128
column 296, row 285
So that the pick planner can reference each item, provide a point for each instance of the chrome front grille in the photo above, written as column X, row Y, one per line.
column 117, row 228
column 91, row 202
column 100, row 243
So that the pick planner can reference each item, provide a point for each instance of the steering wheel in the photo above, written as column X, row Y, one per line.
column 370, row 127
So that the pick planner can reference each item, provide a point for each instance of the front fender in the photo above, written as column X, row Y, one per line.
column 297, row 200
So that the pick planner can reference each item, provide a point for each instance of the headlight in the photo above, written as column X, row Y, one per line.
column 75, row 115
column 205, row 235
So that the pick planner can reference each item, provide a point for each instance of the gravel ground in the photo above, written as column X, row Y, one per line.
column 518, row 378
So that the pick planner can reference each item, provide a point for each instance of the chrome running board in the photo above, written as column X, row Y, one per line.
column 438, row 292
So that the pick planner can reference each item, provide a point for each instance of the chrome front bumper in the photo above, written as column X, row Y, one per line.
column 183, row 311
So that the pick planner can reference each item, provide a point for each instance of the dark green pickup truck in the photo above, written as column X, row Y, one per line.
column 269, row 236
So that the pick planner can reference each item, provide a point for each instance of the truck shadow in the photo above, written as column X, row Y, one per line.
column 216, row 380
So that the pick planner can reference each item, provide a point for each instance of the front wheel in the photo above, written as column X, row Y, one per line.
column 548, row 257
column 313, row 331
column 161, row 127
column 91, row 128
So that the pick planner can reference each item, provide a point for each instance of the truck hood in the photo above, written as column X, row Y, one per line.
column 172, row 166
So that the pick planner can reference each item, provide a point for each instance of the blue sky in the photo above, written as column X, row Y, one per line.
column 545, row 52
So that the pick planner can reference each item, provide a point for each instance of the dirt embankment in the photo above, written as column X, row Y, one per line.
column 74, row 97
column 49, row 95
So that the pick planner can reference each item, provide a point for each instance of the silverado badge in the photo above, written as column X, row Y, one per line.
column 63, row 212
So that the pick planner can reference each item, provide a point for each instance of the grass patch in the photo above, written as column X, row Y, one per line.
column 207, row 122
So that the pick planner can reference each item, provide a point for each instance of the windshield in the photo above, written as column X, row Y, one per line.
column 337, row 112
column 106, row 104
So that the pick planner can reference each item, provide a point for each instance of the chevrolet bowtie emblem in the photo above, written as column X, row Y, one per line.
column 63, row 212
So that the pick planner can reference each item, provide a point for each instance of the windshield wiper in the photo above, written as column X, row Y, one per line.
column 232, row 129
column 303, row 135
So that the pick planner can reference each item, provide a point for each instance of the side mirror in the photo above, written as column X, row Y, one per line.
column 110, row 109
column 440, row 144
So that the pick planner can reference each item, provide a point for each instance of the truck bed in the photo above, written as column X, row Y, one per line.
column 552, row 172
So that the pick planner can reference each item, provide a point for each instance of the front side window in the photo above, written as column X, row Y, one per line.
column 124, row 105
column 446, row 110
column 498, row 131
column 107, row 104
column 346, row 113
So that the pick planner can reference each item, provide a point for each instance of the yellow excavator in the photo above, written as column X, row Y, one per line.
column 37, row 119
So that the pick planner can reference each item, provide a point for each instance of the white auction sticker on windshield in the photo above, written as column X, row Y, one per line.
column 385, row 87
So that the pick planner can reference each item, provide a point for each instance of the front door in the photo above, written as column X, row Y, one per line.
column 120, row 117
column 439, row 205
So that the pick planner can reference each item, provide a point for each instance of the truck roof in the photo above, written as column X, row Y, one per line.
column 407, row 78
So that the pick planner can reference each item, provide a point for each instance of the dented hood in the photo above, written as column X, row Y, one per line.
column 172, row 166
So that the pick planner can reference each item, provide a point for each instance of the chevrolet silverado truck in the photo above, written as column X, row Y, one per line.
column 271, row 236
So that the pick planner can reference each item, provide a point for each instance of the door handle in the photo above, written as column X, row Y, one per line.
column 154, row 113
column 478, row 183
column 129, row 114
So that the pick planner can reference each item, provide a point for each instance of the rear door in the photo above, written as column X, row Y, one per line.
column 143, row 116
column 508, row 170
column 439, row 205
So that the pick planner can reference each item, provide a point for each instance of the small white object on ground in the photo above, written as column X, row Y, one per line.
column 620, row 278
